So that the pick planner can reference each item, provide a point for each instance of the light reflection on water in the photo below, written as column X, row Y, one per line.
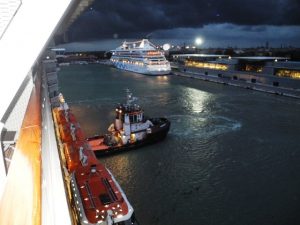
column 231, row 156
column 196, row 99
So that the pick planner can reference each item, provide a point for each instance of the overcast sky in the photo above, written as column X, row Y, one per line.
column 219, row 22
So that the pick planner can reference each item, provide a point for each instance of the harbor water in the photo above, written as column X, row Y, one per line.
column 232, row 155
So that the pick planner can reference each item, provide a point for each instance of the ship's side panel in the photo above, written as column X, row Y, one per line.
column 21, row 199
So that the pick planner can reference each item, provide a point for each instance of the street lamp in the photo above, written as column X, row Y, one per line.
column 198, row 41
column 166, row 47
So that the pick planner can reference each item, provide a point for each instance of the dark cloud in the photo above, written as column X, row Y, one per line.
column 135, row 18
column 214, row 35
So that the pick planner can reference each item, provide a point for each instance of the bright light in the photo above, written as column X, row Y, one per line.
column 166, row 47
column 198, row 41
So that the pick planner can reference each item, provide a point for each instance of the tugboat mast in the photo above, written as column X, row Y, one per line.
column 130, row 99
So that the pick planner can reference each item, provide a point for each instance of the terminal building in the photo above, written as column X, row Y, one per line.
column 282, row 75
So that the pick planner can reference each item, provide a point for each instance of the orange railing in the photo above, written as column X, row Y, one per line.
column 21, row 199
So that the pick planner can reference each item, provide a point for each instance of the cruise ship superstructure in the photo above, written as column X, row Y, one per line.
column 140, row 57
column 37, row 184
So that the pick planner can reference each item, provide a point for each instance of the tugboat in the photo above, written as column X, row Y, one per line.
column 96, row 197
column 131, row 129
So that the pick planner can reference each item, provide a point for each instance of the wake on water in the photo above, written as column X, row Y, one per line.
column 201, row 126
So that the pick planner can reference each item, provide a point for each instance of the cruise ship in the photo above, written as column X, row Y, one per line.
column 48, row 174
column 140, row 57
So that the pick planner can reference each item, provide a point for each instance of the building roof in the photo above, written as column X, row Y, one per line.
column 201, row 55
column 261, row 58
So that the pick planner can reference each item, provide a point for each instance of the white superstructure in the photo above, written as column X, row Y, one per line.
column 140, row 57
column 32, row 189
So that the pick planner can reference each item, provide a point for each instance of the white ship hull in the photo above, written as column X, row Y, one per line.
column 148, row 70
column 140, row 57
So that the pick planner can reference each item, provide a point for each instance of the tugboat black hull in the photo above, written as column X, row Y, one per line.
column 158, row 133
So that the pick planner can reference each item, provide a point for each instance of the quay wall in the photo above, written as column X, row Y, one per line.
column 260, row 82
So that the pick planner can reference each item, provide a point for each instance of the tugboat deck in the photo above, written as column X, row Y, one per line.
column 97, row 144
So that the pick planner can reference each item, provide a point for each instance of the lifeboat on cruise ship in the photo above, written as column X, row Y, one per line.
column 130, row 130
column 97, row 197
column 71, row 132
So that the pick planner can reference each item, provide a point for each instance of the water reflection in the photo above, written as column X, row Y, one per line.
column 194, row 99
column 121, row 164
column 162, row 78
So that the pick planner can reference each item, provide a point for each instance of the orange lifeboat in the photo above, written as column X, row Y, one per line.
column 97, row 196
column 71, row 155
column 64, row 117
column 71, row 133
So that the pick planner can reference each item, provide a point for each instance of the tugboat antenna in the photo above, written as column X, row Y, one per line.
column 129, row 97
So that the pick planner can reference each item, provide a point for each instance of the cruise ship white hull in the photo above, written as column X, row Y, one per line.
column 148, row 70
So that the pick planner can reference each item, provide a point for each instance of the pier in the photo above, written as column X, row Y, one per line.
column 288, row 92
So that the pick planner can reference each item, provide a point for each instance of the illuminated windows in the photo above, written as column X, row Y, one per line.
column 253, row 68
column 294, row 74
column 214, row 66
